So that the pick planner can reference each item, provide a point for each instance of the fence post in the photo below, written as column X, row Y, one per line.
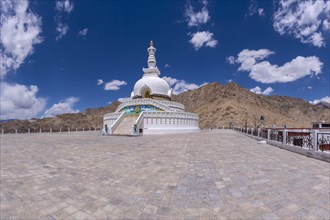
column 76, row 129
column 268, row 134
column 15, row 131
column 28, row 130
column 314, row 133
column 258, row 132
column 51, row 130
column 60, row 130
column 68, row 129
column 83, row 129
column 40, row 130
column 284, row 136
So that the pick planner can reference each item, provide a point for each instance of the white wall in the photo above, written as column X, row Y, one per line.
column 169, row 125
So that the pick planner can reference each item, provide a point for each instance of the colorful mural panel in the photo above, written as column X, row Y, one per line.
column 139, row 108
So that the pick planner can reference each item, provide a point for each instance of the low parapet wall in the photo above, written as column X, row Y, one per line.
column 169, row 131
column 309, row 153
column 324, row 156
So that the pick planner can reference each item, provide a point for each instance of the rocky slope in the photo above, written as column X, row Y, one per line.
column 230, row 104
column 90, row 119
column 216, row 104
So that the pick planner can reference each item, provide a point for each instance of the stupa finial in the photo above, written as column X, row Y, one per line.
column 151, row 59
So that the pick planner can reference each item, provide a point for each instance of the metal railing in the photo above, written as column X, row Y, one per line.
column 311, row 139
column 46, row 130
column 323, row 141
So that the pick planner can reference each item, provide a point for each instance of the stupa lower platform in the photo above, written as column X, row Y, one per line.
column 148, row 116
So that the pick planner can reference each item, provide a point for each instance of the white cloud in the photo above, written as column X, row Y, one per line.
column 20, row 30
column 19, row 101
column 264, row 72
column 324, row 99
column 99, row 82
column 124, row 99
column 181, row 85
column 230, row 59
column 317, row 39
column 254, row 9
column 62, row 7
column 258, row 90
column 247, row 58
column 204, row 38
column 62, row 107
column 303, row 20
column 62, row 29
column 167, row 65
column 326, row 25
column 171, row 81
column 114, row 85
column 83, row 32
column 261, row 12
column 196, row 18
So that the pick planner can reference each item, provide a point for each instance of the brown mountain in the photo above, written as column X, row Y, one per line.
column 216, row 104
column 222, row 105
column 90, row 119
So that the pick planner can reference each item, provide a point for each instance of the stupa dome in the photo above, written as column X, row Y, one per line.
column 156, row 86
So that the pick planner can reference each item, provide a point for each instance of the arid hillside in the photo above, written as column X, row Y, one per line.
column 217, row 105
column 89, row 119
column 230, row 104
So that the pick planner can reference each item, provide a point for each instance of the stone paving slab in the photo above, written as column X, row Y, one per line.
column 217, row 174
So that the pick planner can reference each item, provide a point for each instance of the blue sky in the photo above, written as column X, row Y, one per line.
column 66, row 56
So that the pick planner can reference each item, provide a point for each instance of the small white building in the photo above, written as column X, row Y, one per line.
column 150, row 110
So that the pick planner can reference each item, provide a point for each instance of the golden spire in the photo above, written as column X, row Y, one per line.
column 151, row 43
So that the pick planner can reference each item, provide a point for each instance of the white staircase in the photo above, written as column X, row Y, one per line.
column 126, row 125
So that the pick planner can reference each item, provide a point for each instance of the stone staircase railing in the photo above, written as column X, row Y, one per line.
column 117, row 122
column 138, row 124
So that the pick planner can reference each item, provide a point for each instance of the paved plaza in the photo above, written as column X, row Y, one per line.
column 218, row 174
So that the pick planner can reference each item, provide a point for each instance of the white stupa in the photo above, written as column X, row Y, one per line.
column 150, row 110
